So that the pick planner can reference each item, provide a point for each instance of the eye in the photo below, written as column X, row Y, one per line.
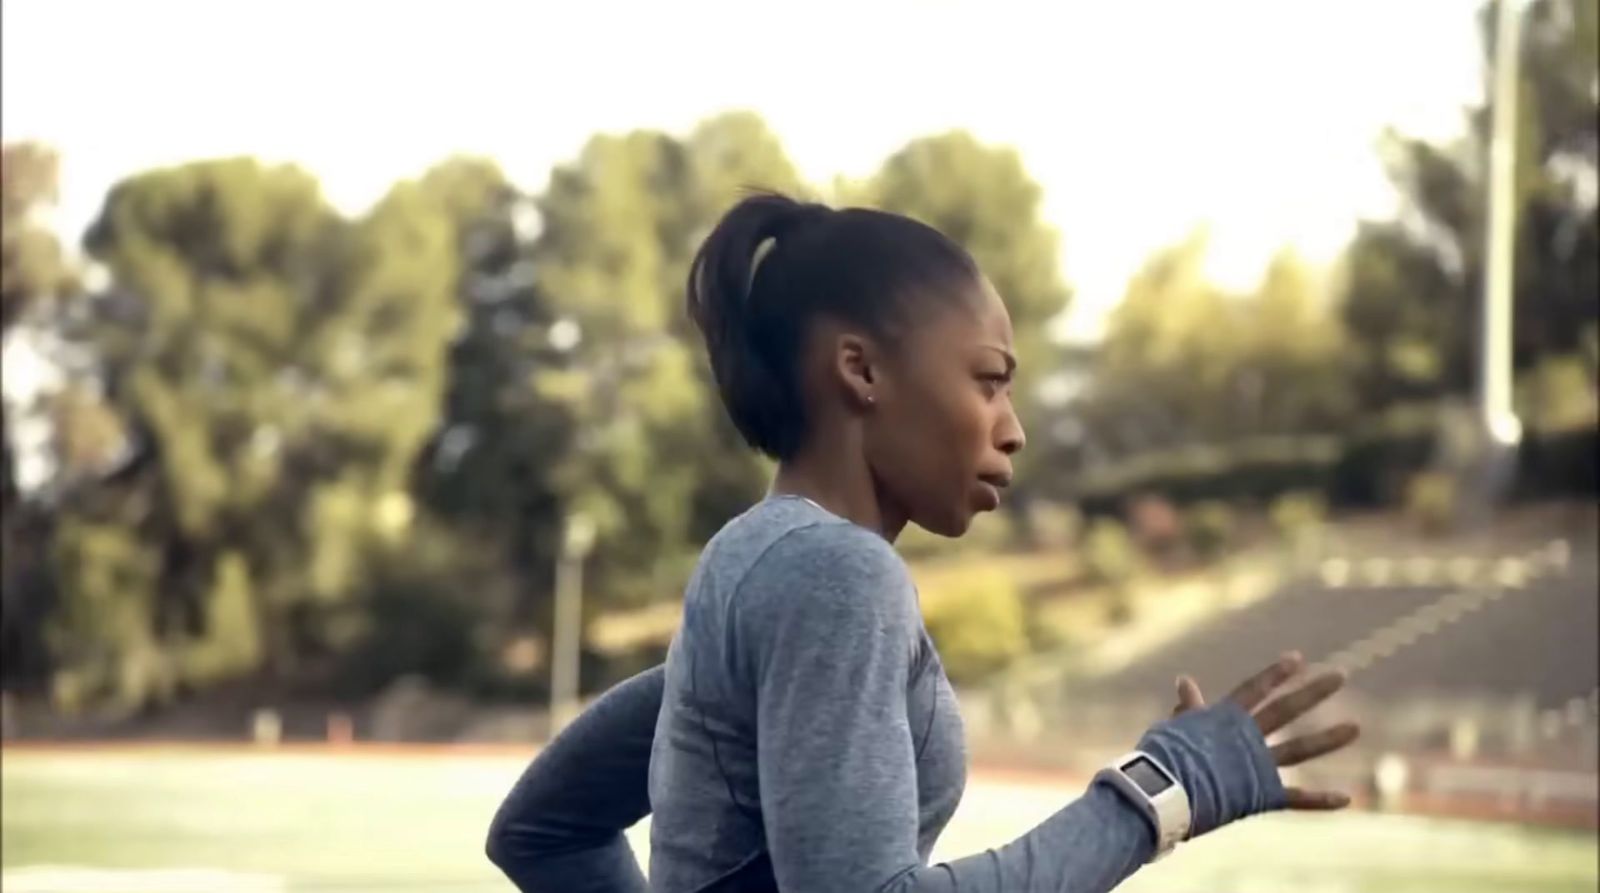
column 994, row 383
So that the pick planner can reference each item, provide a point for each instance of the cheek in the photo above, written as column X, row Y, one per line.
column 966, row 421
column 945, row 437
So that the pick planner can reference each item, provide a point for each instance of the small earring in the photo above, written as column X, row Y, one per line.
column 871, row 399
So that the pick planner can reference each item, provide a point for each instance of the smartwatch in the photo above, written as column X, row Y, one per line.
column 1156, row 793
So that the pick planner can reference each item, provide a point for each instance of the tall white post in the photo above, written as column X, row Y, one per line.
column 1494, row 356
column 567, row 628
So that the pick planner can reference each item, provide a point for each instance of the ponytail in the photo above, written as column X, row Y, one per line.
column 772, row 265
column 748, row 350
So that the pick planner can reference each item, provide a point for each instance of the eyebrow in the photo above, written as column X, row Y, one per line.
column 1011, row 361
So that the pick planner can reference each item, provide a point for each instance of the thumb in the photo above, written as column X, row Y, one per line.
column 1189, row 697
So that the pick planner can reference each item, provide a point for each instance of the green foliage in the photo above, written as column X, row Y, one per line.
column 433, row 606
column 1430, row 501
column 1186, row 363
column 231, row 643
column 1558, row 394
column 1210, row 529
column 32, row 268
column 35, row 278
column 576, row 386
column 103, row 635
column 281, row 368
column 1053, row 525
column 979, row 622
column 1297, row 516
column 1110, row 555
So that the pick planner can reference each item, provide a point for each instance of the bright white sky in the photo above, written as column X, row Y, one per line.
column 1140, row 119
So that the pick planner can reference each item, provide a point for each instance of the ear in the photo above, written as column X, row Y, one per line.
column 855, row 366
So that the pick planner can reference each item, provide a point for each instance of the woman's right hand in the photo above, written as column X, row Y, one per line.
column 1220, row 752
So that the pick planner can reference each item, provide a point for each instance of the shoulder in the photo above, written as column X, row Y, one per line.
column 830, row 554
column 828, row 570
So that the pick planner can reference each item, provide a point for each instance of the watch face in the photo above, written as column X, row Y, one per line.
column 1145, row 774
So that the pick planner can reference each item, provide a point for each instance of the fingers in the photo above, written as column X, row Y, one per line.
column 1308, row 747
column 1320, row 801
column 1256, row 689
column 1189, row 697
column 1293, row 705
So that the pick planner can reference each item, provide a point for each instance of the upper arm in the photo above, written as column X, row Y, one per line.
column 835, row 629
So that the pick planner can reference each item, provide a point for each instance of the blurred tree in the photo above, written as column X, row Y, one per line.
column 1185, row 362
column 624, row 381
column 1165, row 357
column 32, row 267
column 576, row 383
column 1295, row 379
column 488, row 470
column 279, row 368
column 652, row 450
column 1415, row 283
column 982, row 197
column 34, row 274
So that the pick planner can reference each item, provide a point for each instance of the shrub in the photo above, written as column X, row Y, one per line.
column 1298, row 518
column 1430, row 501
column 1210, row 529
column 978, row 620
column 1109, row 554
column 1053, row 525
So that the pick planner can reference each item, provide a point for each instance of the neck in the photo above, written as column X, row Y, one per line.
column 845, row 488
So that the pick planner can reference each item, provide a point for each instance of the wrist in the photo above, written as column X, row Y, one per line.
column 1221, row 758
column 1155, row 794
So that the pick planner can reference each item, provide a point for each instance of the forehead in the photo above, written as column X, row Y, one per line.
column 979, row 316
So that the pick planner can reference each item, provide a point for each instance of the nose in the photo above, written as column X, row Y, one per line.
column 1009, row 437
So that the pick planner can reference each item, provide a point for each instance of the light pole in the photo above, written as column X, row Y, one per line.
column 1497, row 427
column 577, row 539
column 1495, row 411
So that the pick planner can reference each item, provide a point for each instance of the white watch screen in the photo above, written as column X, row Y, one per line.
column 1145, row 774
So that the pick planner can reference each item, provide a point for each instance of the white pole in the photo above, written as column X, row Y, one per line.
column 567, row 628
column 1494, row 393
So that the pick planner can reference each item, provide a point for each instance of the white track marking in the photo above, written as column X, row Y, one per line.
column 1419, row 624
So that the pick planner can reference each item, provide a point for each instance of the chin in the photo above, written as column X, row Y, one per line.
column 952, row 526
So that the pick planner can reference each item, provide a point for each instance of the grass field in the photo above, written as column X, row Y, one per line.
column 181, row 820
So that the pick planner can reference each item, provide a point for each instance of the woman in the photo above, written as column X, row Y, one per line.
column 802, row 734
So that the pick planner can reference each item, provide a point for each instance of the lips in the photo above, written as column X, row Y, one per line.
column 991, row 485
column 997, row 481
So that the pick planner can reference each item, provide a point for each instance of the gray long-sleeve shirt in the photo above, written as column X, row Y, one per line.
column 807, row 740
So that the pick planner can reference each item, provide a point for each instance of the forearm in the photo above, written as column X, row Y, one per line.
column 560, row 828
column 597, row 868
column 1090, row 846
column 1101, row 839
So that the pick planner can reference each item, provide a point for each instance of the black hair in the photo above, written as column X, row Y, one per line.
column 755, row 302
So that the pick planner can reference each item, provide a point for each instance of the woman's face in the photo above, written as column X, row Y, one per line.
column 940, row 440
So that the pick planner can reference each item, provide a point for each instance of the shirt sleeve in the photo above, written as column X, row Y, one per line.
column 833, row 624
column 560, row 830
